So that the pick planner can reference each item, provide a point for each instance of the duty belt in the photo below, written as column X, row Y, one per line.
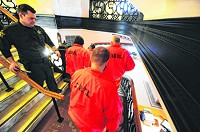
column 36, row 61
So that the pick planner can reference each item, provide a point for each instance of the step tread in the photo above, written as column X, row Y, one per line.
column 17, row 86
column 10, row 74
column 13, row 49
column 12, row 97
column 30, row 117
column 28, row 104
column 17, row 105
column 32, row 114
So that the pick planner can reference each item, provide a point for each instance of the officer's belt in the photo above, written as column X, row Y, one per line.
column 37, row 61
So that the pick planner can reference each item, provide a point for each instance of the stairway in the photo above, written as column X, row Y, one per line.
column 22, row 108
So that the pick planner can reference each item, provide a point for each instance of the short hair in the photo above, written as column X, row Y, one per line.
column 100, row 55
column 79, row 40
column 23, row 8
column 116, row 39
column 92, row 46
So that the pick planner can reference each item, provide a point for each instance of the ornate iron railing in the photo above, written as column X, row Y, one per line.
column 114, row 10
column 131, row 121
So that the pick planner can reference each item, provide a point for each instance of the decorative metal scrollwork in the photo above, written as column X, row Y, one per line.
column 128, row 110
column 113, row 10
column 10, row 6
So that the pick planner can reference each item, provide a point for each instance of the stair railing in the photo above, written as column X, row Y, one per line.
column 131, row 122
column 8, row 14
column 32, row 83
column 4, row 81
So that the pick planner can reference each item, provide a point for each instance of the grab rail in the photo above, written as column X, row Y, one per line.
column 8, row 14
column 32, row 83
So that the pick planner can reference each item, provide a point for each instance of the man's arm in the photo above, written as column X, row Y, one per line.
column 130, row 64
column 55, row 50
column 14, row 67
column 5, row 46
column 50, row 43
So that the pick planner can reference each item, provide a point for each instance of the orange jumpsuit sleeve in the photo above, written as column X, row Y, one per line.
column 128, row 61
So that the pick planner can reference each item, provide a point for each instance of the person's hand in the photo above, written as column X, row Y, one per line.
column 14, row 67
column 57, row 53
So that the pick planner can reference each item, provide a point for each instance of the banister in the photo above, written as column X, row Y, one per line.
column 32, row 83
column 8, row 14
column 135, row 107
column 127, row 91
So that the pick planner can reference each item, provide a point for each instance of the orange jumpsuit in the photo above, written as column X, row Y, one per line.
column 94, row 102
column 76, row 58
column 119, row 62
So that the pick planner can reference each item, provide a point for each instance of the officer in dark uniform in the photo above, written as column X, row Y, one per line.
column 29, row 41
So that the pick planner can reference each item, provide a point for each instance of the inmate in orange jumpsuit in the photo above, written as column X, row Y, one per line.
column 94, row 103
column 76, row 58
column 119, row 62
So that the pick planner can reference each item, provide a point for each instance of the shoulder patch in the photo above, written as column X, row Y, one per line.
column 39, row 32
column 2, row 34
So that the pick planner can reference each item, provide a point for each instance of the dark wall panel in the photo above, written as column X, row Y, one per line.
column 68, row 22
column 183, row 64
column 171, row 51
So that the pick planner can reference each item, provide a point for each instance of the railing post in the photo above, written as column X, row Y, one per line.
column 125, row 114
column 60, row 119
column 4, row 81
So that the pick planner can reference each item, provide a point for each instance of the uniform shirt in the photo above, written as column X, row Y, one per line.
column 30, row 42
column 119, row 62
column 76, row 58
column 94, row 102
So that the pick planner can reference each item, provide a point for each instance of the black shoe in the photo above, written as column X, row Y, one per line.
column 58, row 91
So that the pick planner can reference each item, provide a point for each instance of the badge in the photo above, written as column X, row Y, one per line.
column 2, row 34
column 39, row 32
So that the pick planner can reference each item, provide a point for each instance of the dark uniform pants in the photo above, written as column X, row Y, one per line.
column 41, row 71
